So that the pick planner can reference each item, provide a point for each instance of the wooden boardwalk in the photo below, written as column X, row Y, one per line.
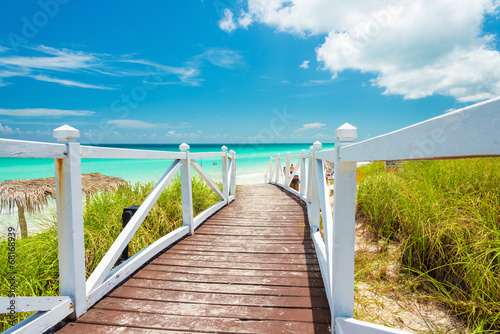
column 251, row 268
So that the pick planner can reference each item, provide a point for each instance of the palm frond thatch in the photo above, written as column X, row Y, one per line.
column 33, row 194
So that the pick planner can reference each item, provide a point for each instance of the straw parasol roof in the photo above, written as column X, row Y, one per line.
column 32, row 195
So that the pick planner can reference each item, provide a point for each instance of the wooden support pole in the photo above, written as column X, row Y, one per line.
column 233, row 173
column 340, row 248
column 278, row 167
column 287, row 171
column 70, row 221
column 187, row 190
column 225, row 175
column 303, row 181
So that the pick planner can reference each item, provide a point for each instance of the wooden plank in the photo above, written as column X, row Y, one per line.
column 31, row 149
column 250, row 232
column 267, row 249
column 235, row 243
column 234, row 272
column 81, row 328
column 269, row 239
column 240, row 289
column 95, row 152
column 235, row 265
column 218, row 299
column 250, row 257
column 147, row 273
column 216, row 324
column 468, row 132
column 250, row 237
column 225, row 311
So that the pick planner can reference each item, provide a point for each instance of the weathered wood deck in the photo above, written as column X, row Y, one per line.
column 251, row 268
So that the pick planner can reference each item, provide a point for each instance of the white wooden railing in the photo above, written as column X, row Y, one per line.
column 76, row 293
column 473, row 131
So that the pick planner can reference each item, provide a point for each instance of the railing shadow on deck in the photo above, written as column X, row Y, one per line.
column 472, row 131
column 311, row 261
column 77, row 294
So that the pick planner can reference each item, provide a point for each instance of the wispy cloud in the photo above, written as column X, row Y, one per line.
column 305, row 64
column 131, row 124
column 310, row 126
column 69, row 83
column 317, row 82
column 175, row 134
column 53, row 65
column 44, row 112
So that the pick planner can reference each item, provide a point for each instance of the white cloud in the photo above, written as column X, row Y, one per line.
column 310, row 126
column 69, row 83
column 414, row 48
column 7, row 130
column 305, row 64
column 244, row 20
column 131, row 124
column 43, row 112
column 227, row 21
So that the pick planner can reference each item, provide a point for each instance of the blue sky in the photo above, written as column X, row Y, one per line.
column 231, row 71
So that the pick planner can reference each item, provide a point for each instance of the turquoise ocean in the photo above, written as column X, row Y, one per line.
column 252, row 161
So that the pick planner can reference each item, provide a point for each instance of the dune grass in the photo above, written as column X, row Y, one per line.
column 37, row 256
column 445, row 217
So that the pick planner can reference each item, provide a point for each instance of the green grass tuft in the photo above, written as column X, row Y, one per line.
column 446, row 216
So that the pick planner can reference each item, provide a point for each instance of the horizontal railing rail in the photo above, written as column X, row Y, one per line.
column 76, row 293
column 468, row 132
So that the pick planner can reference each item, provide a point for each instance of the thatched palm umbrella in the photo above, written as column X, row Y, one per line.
column 32, row 195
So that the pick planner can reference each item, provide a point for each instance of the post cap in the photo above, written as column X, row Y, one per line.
column 279, row 154
column 232, row 152
column 311, row 148
column 224, row 148
column 303, row 151
column 346, row 132
column 184, row 147
column 317, row 145
column 66, row 133
column 288, row 153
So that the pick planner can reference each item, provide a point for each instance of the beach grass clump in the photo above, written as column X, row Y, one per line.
column 446, row 217
column 37, row 267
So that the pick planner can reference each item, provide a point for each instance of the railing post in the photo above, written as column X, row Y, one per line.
column 233, row 173
column 225, row 175
column 70, row 221
column 186, row 189
column 340, row 252
column 268, row 171
column 315, row 203
column 303, row 180
column 310, row 175
column 278, row 167
column 287, row 170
